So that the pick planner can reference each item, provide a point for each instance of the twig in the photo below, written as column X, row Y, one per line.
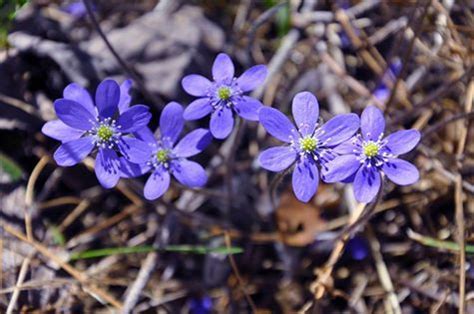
column 60, row 201
column 20, row 105
column 465, row 126
column 458, row 198
column 237, row 274
column 95, row 291
column 133, row 293
column 382, row 271
column 78, row 210
column 278, row 59
column 369, row 59
column 274, row 185
column 434, row 128
column 262, row 19
column 438, row 166
column 434, row 96
column 349, row 80
column 321, row 284
column 230, row 161
column 87, row 234
column 16, row 291
column 131, row 72
column 407, row 55
column 29, row 195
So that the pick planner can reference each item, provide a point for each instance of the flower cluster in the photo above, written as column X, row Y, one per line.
column 308, row 144
column 335, row 151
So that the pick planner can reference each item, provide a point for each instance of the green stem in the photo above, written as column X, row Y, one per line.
column 443, row 245
column 192, row 249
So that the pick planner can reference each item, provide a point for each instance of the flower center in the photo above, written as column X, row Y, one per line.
column 371, row 149
column 224, row 93
column 308, row 144
column 162, row 156
column 105, row 133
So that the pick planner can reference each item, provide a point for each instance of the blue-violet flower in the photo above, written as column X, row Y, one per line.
column 366, row 156
column 309, row 144
column 167, row 157
column 83, row 126
column 224, row 95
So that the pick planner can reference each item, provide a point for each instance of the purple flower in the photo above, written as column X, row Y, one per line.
column 83, row 126
column 167, row 157
column 77, row 9
column 224, row 94
column 364, row 158
column 309, row 144
column 382, row 92
column 358, row 248
column 201, row 305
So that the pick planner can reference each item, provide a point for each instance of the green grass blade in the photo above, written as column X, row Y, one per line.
column 198, row 249
column 189, row 249
column 443, row 245
column 11, row 168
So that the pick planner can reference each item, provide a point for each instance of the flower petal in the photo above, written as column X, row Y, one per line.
column 199, row 108
column 223, row 68
column 252, row 78
column 339, row 129
column 131, row 170
column 382, row 93
column 349, row 179
column 372, row 123
column 248, row 108
column 305, row 110
column 171, row 122
column 340, row 168
column 276, row 123
column 402, row 142
column 107, row 168
column 193, row 143
column 146, row 135
column 107, row 98
column 305, row 179
column 59, row 131
column 346, row 147
column 80, row 95
column 73, row 114
column 222, row 123
column 134, row 150
column 134, row 118
column 189, row 173
column 71, row 153
column 196, row 85
column 157, row 184
column 400, row 171
column 277, row 158
column 125, row 97
column 366, row 184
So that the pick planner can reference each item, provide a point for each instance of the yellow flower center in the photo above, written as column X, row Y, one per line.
column 371, row 149
column 105, row 133
column 308, row 144
column 162, row 156
column 224, row 93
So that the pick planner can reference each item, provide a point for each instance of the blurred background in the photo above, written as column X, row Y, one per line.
column 412, row 59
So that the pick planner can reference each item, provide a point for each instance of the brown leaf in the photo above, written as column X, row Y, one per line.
column 297, row 222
